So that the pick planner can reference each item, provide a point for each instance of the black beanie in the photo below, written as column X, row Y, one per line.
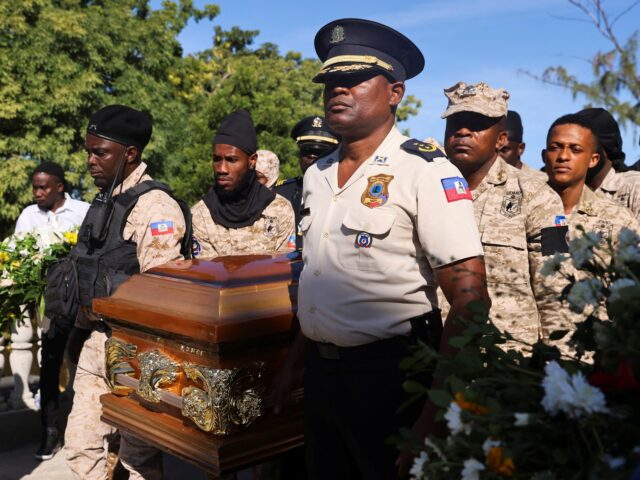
column 514, row 126
column 121, row 124
column 237, row 129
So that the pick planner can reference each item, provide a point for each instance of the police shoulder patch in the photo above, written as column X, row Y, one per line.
column 427, row 151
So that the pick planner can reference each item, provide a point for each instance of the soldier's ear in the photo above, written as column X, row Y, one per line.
column 252, row 161
column 502, row 140
column 521, row 147
column 397, row 93
column 595, row 159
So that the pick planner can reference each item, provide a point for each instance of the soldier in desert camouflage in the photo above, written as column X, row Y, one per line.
column 572, row 148
column 239, row 216
column 510, row 207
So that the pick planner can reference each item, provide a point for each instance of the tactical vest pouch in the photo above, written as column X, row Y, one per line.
column 61, row 301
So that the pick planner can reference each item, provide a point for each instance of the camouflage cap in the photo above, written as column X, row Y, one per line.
column 479, row 98
column 269, row 165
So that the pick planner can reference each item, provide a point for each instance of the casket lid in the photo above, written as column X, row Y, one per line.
column 225, row 299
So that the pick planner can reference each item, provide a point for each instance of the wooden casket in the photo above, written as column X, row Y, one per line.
column 194, row 349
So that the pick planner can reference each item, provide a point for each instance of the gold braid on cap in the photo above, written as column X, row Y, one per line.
column 368, row 59
column 318, row 138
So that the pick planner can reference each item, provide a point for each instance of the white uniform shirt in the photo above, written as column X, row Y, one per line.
column 370, row 247
column 69, row 215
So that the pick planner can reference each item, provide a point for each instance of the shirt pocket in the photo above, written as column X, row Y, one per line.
column 364, row 240
column 505, row 256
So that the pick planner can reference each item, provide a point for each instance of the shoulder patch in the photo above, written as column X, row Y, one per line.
column 427, row 151
column 287, row 181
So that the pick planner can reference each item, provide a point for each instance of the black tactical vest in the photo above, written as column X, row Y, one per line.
column 103, row 266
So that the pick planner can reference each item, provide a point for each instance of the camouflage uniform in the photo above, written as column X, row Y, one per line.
column 86, row 437
column 532, row 172
column 595, row 214
column 510, row 210
column 273, row 232
column 624, row 188
column 269, row 165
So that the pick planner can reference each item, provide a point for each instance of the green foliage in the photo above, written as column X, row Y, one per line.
column 616, row 82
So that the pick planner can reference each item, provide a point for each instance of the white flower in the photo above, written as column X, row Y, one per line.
column 587, row 398
column 454, row 420
column 583, row 293
column 614, row 462
column 418, row 464
column 617, row 286
column 552, row 265
column 37, row 258
column 472, row 469
column 24, row 252
column 6, row 282
column 581, row 248
column 522, row 419
column 47, row 236
column 571, row 395
column 489, row 444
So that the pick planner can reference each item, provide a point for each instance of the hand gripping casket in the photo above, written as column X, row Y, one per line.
column 193, row 350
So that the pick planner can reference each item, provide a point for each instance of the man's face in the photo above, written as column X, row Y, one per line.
column 309, row 152
column 231, row 166
column 356, row 103
column 472, row 139
column 512, row 152
column 103, row 158
column 570, row 152
column 46, row 189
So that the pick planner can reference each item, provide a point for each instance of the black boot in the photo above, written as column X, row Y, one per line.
column 50, row 444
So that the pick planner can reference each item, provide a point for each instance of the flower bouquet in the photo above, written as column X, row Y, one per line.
column 546, row 415
column 24, row 258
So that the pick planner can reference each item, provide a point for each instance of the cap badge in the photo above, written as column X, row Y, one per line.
column 469, row 91
column 317, row 122
column 337, row 34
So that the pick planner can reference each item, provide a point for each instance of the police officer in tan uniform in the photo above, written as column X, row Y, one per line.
column 385, row 219
column 611, row 177
column 149, row 235
column 572, row 149
column 511, row 208
column 239, row 216
column 513, row 150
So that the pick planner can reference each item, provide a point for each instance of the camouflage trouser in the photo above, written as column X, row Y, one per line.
column 86, row 437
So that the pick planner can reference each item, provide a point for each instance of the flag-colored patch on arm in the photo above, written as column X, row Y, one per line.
column 456, row 188
column 161, row 227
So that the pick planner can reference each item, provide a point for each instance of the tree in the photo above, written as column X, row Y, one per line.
column 60, row 60
column 616, row 83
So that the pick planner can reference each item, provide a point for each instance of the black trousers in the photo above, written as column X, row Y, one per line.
column 351, row 408
column 54, row 343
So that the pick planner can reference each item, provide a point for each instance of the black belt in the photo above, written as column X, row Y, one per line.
column 426, row 327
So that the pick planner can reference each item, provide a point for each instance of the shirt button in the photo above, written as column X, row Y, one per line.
column 317, row 273
column 312, row 310
column 325, row 234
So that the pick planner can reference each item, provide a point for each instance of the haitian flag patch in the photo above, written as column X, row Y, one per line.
column 163, row 227
column 560, row 221
column 456, row 188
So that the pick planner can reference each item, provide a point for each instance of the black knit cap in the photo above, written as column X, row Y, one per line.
column 607, row 130
column 121, row 124
column 355, row 46
column 51, row 168
column 237, row 129
column 314, row 129
column 514, row 126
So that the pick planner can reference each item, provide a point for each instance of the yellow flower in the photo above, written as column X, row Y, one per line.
column 496, row 463
column 470, row 406
column 15, row 264
column 71, row 237
column 4, row 256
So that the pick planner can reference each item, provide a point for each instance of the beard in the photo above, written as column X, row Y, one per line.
column 240, row 191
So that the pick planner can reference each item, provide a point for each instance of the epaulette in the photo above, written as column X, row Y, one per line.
column 287, row 181
column 422, row 149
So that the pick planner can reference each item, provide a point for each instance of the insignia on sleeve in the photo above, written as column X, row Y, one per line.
column 422, row 149
column 270, row 226
column 291, row 243
column 511, row 204
column 377, row 192
column 162, row 227
column 456, row 188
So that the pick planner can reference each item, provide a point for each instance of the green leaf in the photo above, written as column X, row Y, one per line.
column 441, row 398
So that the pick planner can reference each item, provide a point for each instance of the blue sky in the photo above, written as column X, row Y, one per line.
column 462, row 40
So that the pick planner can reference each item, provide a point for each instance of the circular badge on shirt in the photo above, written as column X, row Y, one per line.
column 363, row 240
